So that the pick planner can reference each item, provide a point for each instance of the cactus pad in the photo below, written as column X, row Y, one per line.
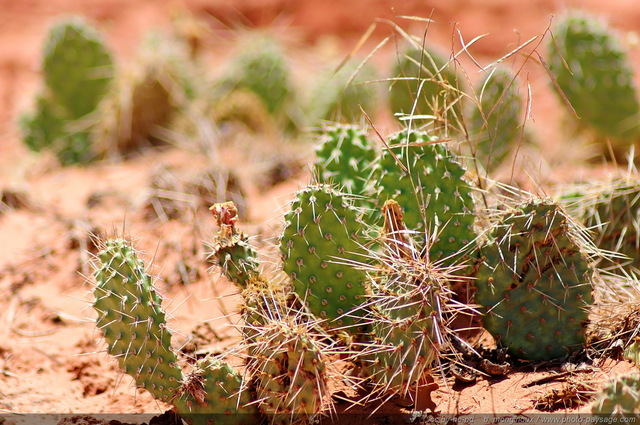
column 215, row 393
column 319, row 240
column 133, row 322
column 425, row 178
column 345, row 157
column 534, row 281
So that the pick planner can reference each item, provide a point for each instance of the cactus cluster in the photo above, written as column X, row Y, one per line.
column 620, row 395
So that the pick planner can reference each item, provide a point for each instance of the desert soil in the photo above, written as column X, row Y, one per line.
column 52, row 359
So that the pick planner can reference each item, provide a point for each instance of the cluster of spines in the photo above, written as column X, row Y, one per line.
column 534, row 282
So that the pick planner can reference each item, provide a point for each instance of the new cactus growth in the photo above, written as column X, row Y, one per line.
column 133, row 323
column 534, row 281
column 424, row 177
column 494, row 122
column 593, row 71
column 621, row 395
column 232, row 250
column 345, row 157
column 320, row 240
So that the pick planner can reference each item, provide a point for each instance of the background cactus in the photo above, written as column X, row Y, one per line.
column 620, row 395
column 611, row 210
column 77, row 71
column 424, row 82
column 494, row 123
column 593, row 71
column 534, row 282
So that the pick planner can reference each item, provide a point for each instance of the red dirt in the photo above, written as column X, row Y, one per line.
column 51, row 357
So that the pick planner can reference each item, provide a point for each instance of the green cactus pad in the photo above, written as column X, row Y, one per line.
column 595, row 75
column 621, row 395
column 288, row 365
column 534, row 282
column 319, row 240
column 425, row 83
column 345, row 157
column 215, row 393
column 262, row 69
column 431, row 188
column 77, row 67
column 133, row 322
column 494, row 124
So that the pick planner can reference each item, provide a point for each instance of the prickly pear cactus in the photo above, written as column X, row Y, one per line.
column 288, row 365
column 133, row 322
column 593, row 71
column 340, row 94
column 262, row 69
column 408, row 301
column 534, row 282
column 611, row 210
column 345, row 157
column 215, row 383
column 231, row 249
column 425, row 83
column 424, row 177
column 494, row 123
column 320, row 239
column 77, row 67
column 621, row 395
